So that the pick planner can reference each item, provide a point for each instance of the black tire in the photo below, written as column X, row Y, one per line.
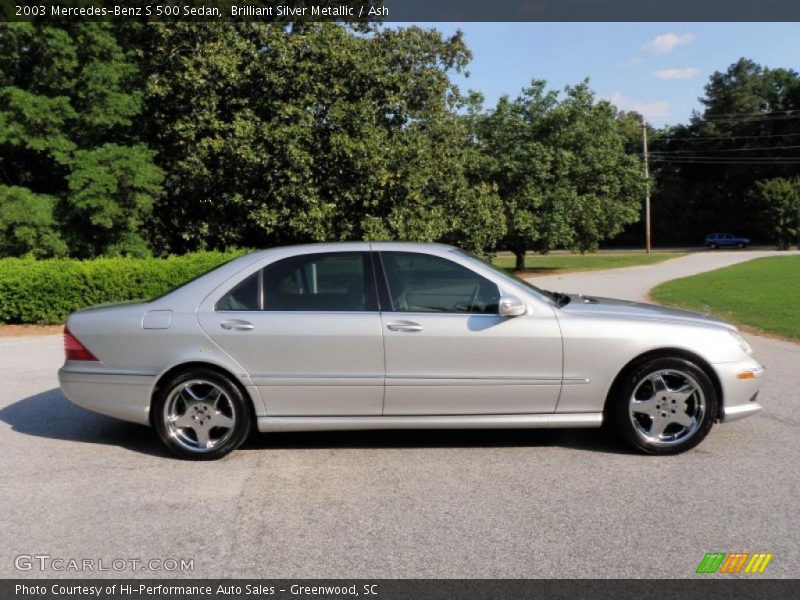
column 712, row 246
column 700, row 407
column 740, row 245
column 230, row 405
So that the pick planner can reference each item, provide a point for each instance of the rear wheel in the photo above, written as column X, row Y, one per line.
column 664, row 406
column 740, row 245
column 712, row 246
column 202, row 415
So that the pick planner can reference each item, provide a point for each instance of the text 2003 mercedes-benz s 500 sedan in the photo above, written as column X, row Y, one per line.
column 397, row 335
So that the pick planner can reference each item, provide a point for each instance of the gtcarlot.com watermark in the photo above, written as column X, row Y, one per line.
column 47, row 563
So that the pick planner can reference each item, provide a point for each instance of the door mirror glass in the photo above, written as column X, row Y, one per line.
column 511, row 306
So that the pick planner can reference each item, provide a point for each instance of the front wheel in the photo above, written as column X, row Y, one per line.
column 712, row 246
column 664, row 406
column 202, row 415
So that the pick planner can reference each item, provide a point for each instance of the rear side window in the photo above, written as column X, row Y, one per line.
column 336, row 282
column 242, row 297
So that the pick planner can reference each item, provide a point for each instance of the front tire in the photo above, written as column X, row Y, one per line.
column 664, row 406
column 201, row 414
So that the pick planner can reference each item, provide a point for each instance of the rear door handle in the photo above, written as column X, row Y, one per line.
column 404, row 326
column 237, row 325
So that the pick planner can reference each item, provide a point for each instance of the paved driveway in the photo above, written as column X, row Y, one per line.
column 395, row 504
column 634, row 283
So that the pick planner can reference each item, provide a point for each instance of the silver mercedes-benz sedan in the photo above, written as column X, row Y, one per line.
column 398, row 335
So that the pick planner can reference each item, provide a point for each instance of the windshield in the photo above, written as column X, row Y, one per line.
column 510, row 276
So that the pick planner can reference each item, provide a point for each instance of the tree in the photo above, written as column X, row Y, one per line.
column 69, row 102
column 706, row 169
column 273, row 134
column 111, row 193
column 561, row 168
column 778, row 201
column 27, row 225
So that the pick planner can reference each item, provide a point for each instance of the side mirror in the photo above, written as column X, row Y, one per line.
column 511, row 306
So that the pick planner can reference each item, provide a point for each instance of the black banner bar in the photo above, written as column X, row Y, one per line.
column 399, row 589
column 400, row 10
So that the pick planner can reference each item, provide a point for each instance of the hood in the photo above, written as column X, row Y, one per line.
column 611, row 307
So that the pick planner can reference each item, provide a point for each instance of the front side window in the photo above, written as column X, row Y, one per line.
column 426, row 283
column 340, row 281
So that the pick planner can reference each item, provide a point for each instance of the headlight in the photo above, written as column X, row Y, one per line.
column 741, row 341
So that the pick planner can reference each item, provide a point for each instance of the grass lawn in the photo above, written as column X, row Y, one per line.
column 761, row 293
column 583, row 262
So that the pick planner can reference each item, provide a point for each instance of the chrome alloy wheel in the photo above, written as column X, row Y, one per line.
column 666, row 407
column 199, row 415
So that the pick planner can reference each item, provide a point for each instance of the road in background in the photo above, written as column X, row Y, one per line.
column 478, row 504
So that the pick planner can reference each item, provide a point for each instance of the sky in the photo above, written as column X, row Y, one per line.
column 657, row 69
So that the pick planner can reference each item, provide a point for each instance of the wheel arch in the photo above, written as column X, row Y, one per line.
column 666, row 353
column 199, row 364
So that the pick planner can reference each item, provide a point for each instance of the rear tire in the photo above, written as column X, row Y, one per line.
column 664, row 406
column 712, row 246
column 201, row 414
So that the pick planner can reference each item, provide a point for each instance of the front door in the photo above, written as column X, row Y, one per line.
column 308, row 331
column 447, row 350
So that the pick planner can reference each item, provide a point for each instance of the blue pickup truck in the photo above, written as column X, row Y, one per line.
column 725, row 240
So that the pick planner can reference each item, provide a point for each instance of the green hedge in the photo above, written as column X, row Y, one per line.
column 46, row 291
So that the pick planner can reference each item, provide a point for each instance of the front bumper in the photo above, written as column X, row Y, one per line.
column 739, row 394
column 123, row 396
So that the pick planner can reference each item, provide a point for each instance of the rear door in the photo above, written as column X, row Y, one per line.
column 308, row 331
column 448, row 351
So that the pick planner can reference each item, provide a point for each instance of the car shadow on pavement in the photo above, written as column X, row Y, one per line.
column 593, row 440
column 50, row 415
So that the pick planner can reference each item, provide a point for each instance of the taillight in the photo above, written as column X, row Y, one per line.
column 74, row 349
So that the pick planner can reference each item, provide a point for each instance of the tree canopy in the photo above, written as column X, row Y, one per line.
column 562, row 169
column 158, row 138
column 748, row 131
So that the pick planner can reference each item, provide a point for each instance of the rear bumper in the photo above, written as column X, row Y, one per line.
column 740, row 395
column 122, row 396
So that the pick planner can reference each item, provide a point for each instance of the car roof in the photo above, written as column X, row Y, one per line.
column 354, row 247
column 201, row 286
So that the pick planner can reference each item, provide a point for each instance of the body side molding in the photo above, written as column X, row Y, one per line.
column 521, row 421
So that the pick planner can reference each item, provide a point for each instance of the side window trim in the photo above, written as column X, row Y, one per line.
column 261, row 289
column 381, row 283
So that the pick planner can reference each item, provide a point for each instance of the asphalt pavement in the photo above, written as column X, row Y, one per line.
column 461, row 504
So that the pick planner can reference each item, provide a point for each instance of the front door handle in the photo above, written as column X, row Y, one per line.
column 237, row 325
column 404, row 326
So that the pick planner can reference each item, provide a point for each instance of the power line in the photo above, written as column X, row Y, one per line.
column 731, row 158
column 724, row 139
column 725, row 149
column 722, row 161
column 765, row 118
column 707, row 157
column 748, row 114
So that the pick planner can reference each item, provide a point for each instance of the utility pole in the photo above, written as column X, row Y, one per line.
column 647, row 190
